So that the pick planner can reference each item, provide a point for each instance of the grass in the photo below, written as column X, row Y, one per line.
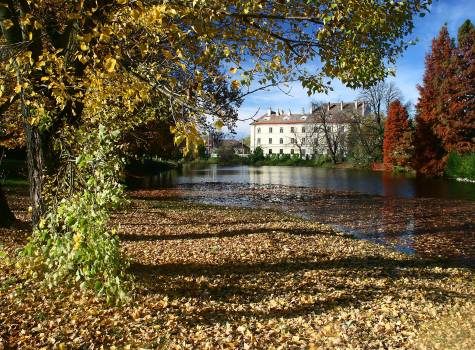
column 232, row 278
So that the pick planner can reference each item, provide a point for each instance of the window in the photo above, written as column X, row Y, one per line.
column 315, row 128
column 292, row 129
column 270, row 141
column 292, row 151
column 281, row 130
column 292, row 140
column 258, row 130
column 303, row 152
column 258, row 141
column 303, row 128
column 270, row 150
column 270, row 130
column 281, row 141
column 281, row 151
column 303, row 140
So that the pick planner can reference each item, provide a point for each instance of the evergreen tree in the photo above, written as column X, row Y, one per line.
column 397, row 137
column 458, row 131
column 432, row 107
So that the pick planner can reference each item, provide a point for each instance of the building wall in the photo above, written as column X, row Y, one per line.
column 277, row 138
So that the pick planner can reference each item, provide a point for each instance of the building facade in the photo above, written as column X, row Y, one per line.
column 305, row 134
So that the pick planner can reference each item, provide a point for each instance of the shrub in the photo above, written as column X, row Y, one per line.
column 461, row 166
column 73, row 243
column 257, row 155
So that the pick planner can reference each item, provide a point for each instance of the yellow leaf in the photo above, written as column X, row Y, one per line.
column 7, row 23
column 18, row 89
column 233, row 70
column 110, row 64
column 218, row 124
column 235, row 84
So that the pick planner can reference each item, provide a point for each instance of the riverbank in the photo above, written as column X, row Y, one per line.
column 228, row 277
column 274, row 161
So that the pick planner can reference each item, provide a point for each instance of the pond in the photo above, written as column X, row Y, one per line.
column 431, row 218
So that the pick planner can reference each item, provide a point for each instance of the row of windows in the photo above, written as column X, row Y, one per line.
column 292, row 151
column 281, row 130
column 292, row 140
column 293, row 129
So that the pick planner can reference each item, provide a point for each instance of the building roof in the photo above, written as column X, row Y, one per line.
column 335, row 111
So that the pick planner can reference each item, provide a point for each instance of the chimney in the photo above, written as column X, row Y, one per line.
column 328, row 107
column 303, row 110
column 363, row 108
column 356, row 106
column 269, row 111
column 290, row 112
column 341, row 105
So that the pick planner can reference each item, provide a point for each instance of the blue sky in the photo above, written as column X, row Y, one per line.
column 409, row 68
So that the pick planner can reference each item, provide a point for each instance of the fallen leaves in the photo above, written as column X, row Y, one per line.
column 212, row 277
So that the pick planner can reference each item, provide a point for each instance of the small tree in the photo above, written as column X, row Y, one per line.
column 257, row 155
column 397, row 137
column 332, row 127
column 307, row 137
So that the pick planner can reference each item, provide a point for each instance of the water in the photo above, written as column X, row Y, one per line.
column 430, row 218
column 361, row 181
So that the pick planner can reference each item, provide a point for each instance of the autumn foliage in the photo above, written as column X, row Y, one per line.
column 397, row 137
column 445, row 110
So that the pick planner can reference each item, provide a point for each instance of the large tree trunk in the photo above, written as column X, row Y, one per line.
column 40, row 164
column 6, row 215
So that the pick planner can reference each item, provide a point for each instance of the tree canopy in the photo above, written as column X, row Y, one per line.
column 86, row 71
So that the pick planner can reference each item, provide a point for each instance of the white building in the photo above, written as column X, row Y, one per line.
column 304, row 133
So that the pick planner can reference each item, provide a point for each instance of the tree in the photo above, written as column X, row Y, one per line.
column 364, row 140
column 379, row 97
column 71, row 59
column 334, row 131
column 432, row 107
column 88, row 71
column 307, row 136
column 458, row 129
column 397, row 137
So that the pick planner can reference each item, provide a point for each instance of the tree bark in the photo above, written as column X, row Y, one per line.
column 7, row 218
column 40, row 162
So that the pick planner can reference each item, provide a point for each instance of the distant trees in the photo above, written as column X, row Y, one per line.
column 332, row 128
column 397, row 150
column 445, row 119
column 365, row 139
column 379, row 97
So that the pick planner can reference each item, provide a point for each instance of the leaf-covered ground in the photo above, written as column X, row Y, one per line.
column 230, row 278
column 427, row 227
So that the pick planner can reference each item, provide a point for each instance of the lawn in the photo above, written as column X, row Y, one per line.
column 230, row 278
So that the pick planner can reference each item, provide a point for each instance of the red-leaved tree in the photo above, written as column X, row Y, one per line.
column 432, row 107
column 458, row 129
column 397, row 147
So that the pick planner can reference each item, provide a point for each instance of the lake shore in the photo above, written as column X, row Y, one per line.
column 228, row 277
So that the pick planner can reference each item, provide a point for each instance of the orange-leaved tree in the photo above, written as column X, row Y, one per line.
column 458, row 129
column 397, row 146
column 432, row 108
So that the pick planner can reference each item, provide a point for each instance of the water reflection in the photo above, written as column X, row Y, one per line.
column 362, row 181
column 426, row 217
